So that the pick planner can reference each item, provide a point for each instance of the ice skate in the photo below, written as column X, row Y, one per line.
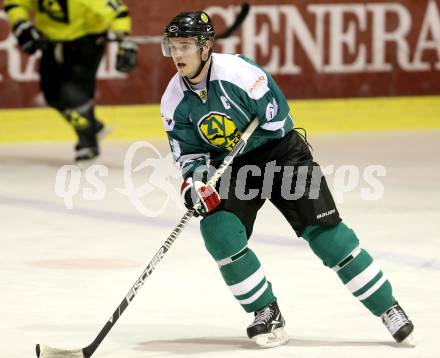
column 399, row 325
column 85, row 156
column 87, row 151
column 267, row 329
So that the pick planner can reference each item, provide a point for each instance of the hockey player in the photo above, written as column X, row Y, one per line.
column 72, row 37
column 205, row 108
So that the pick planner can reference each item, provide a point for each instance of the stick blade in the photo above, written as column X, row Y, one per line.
column 50, row 352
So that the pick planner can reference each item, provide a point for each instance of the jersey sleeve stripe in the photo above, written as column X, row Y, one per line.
column 274, row 126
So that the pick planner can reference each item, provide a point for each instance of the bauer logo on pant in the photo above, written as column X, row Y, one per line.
column 219, row 130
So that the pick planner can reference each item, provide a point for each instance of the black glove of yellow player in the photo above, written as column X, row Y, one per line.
column 28, row 37
column 126, row 57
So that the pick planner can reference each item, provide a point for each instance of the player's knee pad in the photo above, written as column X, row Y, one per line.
column 224, row 235
column 332, row 244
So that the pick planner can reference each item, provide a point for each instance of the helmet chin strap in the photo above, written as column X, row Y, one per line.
column 202, row 65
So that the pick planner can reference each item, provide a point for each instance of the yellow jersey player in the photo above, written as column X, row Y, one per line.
column 72, row 37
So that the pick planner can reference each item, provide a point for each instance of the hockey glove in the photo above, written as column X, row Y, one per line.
column 28, row 37
column 195, row 191
column 126, row 57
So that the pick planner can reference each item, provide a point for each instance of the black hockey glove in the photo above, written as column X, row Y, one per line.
column 126, row 57
column 194, row 191
column 28, row 37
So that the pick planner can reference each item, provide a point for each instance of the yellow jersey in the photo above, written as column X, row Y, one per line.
column 67, row 20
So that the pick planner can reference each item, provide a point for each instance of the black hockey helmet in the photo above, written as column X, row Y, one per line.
column 195, row 24
column 191, row 24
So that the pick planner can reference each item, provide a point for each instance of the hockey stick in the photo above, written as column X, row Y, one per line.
column 238, row 21
column 44, row 351
column 147, row 40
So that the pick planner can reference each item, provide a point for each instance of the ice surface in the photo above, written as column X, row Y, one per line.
column 64, row 271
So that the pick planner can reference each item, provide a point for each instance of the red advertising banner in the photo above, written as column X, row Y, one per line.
column 314, row 49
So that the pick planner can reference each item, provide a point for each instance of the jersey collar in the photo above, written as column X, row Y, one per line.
column 200, row 92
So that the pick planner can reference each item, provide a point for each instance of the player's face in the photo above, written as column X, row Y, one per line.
column 186, row 55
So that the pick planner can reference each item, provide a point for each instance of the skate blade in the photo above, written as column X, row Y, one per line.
column 409, row 341
column 273, row 339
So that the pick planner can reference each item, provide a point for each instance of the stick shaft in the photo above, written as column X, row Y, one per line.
column 237, row 22
column 91, row 348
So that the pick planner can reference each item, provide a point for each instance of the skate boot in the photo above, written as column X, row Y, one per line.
column 399, row 325
column 267, row 329
column 87, row 148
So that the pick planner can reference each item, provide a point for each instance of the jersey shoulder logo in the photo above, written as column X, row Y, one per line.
column 168, row 123
column 271, row 110
column 55, row 9
column 219, row 130
column 225, row 102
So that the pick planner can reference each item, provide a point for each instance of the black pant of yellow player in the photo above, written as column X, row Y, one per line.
column 68, row 81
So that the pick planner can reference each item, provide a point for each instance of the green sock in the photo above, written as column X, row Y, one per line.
column 247, row 282
column 365, row 280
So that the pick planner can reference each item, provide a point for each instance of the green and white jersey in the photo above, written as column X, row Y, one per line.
column 204, row 124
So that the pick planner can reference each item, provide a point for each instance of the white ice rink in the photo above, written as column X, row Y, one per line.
column 64, row 271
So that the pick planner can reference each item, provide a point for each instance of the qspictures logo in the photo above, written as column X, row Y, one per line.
column 151, row 181
column 146, row 173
